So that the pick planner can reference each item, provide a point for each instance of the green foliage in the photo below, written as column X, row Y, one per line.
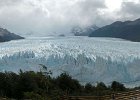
column 88, row 88
column 66, row 83
column 101, row 86
column 116, row 86
column 40, row 86
column 8, row 82
column 33, row 96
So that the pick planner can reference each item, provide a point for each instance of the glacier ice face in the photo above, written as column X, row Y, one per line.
column 86, row 59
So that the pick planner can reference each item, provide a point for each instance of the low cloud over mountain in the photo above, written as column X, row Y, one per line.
column 45, row 17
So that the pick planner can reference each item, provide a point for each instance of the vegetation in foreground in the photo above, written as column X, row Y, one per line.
column 41, row 86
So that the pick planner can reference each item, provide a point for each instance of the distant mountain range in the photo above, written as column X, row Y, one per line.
column 5, row 35
column 129, row 30
column 86, row 31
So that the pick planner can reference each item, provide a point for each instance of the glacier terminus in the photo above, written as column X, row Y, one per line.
column 90, row 60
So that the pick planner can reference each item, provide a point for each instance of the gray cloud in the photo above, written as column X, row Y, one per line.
column 48, row 16
column 43, row 17
column 129, row 11
column 131, row 8
column 8, row 2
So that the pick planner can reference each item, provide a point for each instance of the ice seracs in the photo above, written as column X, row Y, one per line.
column 86, row 59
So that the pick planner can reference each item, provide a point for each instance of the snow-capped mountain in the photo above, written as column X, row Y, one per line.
column 83, row 31
column 86, row 59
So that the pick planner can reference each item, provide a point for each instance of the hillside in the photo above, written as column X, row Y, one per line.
column 129, row 30
column 5, row 35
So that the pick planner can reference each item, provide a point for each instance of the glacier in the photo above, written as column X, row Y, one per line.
column 90, row 60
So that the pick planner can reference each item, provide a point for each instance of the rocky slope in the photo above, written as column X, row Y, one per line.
column 5, row 35
column 129, row 30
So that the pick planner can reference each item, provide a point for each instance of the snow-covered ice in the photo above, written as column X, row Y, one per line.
column 86, row 59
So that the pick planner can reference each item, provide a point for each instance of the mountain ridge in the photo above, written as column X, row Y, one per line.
column 129, row 30
column 5, row 35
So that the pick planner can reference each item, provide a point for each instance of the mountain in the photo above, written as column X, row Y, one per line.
column 5, row 35
column 129, row 30
column 86, row 31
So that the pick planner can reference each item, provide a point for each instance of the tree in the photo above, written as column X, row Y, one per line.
column 116, row 86
column 26, row 83
column 88, row 88
column 66, row 83
column 101, row 86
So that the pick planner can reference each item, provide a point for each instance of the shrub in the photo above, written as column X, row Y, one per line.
column 116, row 86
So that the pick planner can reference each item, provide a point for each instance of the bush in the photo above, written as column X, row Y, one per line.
column 101, row 86
column 33, row 96
column 66, row 83
column 40, row 86
column 88, row 88
column 116, row 86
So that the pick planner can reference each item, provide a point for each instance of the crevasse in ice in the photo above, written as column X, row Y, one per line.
column 86, row 59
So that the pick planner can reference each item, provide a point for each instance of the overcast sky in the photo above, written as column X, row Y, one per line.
column 46, row 17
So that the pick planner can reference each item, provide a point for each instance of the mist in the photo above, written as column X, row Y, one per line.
column 53, row 17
